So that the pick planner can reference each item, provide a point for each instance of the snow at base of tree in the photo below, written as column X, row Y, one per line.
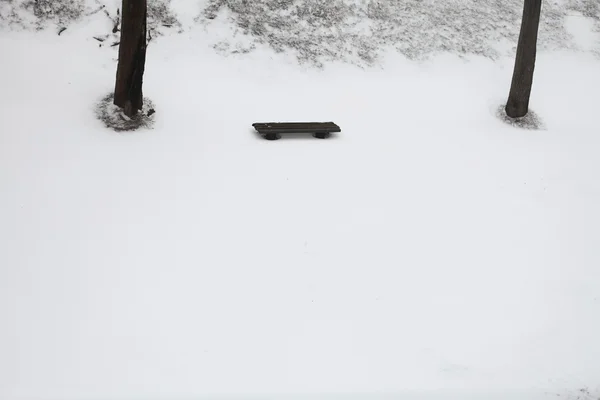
column 114, row 118
column 530, row 121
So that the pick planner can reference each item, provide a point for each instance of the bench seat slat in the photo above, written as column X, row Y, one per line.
column 296, row 127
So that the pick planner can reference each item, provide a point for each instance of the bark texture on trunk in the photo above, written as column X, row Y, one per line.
column 522, row 80
column 132, row 57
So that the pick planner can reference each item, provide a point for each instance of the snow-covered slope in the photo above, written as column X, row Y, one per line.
column 316, row 32
column 427, row 251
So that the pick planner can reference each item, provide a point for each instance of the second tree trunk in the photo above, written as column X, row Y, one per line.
column 522, row 80
column 132, row 57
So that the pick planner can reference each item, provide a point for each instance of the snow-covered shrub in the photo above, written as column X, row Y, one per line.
column 39, row 14
column 589, row 9
column 35, row 14
column 160, row 15
column 358, row 31
column 61, row 12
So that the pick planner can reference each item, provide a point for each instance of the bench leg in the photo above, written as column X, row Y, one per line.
column 272, row 136
column 321, row 135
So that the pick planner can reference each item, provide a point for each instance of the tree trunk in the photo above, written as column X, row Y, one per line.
column 520, row 88
column 132, row 57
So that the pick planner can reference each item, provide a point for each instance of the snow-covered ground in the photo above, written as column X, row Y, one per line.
column 427, row 251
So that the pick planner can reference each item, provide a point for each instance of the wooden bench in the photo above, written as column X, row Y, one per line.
column 274, row 130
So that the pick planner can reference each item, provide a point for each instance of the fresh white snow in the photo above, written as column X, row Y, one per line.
column 427, row 251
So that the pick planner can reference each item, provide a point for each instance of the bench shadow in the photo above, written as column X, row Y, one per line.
column 294, row 136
